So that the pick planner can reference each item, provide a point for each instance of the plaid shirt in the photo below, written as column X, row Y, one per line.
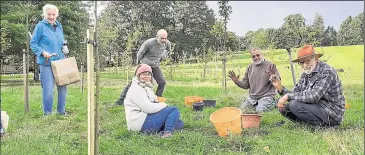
column 322, row 86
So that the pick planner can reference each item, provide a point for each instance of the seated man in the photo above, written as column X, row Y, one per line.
column 317, row 98
column 256, row 79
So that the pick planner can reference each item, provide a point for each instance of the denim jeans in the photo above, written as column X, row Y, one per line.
column 168, row 119
column 47, row 82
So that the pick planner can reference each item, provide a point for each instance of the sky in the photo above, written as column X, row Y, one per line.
column 252, row 15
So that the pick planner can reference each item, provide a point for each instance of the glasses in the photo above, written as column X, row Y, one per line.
column 146, row 74
column 257, row 55
column 301, row 63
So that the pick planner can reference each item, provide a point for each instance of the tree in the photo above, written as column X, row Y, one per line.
column 330, row 37
column 294, row 31
column 345, row 32
column 224, row 11
column 357, row 27
column 316, row 31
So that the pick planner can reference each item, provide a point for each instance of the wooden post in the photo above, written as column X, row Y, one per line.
column 25, row 75
column 90, row 95
column 82, row 76
column 97, row 99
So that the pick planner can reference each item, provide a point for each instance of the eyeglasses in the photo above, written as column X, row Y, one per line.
column 146, row 74
column 257, row 55
column 301, row 63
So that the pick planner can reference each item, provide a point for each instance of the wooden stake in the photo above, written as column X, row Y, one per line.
column 82, row 76
column 97, row 96
column 25, row 75
column 90, row 95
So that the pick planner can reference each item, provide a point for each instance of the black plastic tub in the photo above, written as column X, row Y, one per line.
column 198, row 106
column 210, row 103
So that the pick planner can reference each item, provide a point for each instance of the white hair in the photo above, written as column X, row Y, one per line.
column 49, row 7
column 160, row 32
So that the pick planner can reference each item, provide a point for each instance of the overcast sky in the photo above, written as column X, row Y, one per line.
column 252, row 15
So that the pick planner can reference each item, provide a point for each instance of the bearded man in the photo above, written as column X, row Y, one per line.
column 318, row 97
column 256, row 80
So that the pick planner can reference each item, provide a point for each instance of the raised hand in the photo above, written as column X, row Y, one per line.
column 233, row 76
column 272, row 70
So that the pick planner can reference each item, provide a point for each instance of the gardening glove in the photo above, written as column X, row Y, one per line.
column 233, row 76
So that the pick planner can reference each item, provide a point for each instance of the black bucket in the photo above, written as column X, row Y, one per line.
column 198, row 106
column 209, row 103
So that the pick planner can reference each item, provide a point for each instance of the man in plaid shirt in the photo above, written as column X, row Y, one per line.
column 318, row 97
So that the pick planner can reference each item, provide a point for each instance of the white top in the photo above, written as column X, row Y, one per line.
column 138, row 103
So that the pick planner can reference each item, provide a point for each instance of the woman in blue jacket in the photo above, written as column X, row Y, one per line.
column 46, row 44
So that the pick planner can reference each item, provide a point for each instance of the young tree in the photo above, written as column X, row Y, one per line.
column 225, row 11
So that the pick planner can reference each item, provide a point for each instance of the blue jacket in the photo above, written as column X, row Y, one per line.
column 45, row 38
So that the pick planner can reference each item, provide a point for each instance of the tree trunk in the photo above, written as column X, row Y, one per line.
column 36, row 69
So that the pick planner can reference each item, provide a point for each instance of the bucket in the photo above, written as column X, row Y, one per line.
column 209, row 103
column 198, row 106
column 251, row 120
column 161, row 99
column 190, row 100
column 227, row 120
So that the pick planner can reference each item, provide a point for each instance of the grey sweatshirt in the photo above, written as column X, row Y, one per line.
column 151, row 53
column 257, row 81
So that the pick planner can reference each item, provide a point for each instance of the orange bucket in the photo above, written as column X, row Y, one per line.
column 251, row 120
column 190, row 100
column 227, row 120
column 161, row 99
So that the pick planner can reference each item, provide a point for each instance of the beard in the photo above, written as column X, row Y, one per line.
column 258, row 61
column 309, row 70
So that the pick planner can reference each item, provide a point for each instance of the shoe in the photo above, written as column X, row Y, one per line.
column 2, row 132
column 166, row 134
column 62, row 114
column 46, row 114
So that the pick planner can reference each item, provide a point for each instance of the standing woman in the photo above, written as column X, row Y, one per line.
column 46, row 44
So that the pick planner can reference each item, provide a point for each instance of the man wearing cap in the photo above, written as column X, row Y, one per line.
column 317, row 98
column 152, row 52
column 256, row 80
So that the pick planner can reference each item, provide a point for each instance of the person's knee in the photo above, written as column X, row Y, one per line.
column 179, row 125
column 264, row 105
column 294, row 106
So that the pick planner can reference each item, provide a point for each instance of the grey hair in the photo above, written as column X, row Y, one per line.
column 255, row 49
column 49, row 7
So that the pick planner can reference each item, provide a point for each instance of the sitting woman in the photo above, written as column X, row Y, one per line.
column 142, row 110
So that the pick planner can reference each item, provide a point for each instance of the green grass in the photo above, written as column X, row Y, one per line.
column 32, row 134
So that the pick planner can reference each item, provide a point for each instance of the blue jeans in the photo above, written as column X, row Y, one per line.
column 47, row 82
column 168, row 119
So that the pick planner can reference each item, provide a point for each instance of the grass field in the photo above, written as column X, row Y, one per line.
column 32, row 134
